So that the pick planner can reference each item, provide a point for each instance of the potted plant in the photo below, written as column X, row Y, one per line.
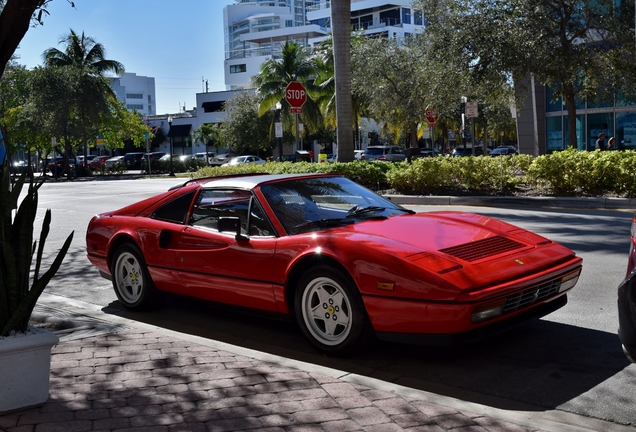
column 25, row 351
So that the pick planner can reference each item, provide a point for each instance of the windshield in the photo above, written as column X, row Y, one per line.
column 321, row 203
column 375, row 151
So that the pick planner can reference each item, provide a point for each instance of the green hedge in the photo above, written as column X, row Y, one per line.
column 566, row 173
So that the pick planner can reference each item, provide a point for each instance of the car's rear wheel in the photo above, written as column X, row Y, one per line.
column 330, row 312
column 132, row 283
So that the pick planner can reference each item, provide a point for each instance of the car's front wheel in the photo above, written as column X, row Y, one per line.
column 329, row 311
column 131, row 280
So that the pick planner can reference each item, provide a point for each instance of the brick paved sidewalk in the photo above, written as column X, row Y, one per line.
column 143, row 380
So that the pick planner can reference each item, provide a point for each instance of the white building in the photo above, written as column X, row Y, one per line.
column 255, row 30
column 136, row 92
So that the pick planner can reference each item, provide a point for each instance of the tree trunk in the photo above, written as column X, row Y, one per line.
column 15, row 20
column 570, row 104
column 341, row 30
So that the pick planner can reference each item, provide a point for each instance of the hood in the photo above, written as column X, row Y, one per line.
column 447, row 232
column 471, row 250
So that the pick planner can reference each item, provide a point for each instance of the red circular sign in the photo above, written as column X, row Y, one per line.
column 432, row 114
column 295, row 94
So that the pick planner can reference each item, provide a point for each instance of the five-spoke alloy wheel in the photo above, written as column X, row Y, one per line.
column 330, row 312
column 131, row 280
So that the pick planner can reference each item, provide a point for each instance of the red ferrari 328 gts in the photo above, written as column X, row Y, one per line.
column 346, row 263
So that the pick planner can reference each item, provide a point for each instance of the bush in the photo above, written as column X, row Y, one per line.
column 565, row 173
column 369, row 174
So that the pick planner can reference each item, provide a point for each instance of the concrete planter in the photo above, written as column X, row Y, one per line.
column 25, row 366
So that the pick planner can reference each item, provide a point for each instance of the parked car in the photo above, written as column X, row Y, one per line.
column 153, row 156
column 627, row 301
column 221, row 158
column 345, row 263
column 133, row 160
column 384, row 153
column 97, row 162
column 115, row 160
column 203, row 157
column 467, row 151
column 166, row 157
column 357, row 154
column 503, row 151
column 429, row 152
column 332, row 157
column 80, row 159
column 247, row 159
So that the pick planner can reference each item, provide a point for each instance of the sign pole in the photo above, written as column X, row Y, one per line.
column 296, row 142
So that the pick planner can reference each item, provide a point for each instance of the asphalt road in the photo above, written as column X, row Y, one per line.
column 569, row 361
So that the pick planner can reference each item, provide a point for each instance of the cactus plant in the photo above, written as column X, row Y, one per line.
column 19, row 290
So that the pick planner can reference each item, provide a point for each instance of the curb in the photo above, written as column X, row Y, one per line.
column 588, row 203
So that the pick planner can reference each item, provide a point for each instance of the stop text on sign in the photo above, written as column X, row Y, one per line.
column 295, row 94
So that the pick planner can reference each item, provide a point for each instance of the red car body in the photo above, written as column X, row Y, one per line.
column 434, row 276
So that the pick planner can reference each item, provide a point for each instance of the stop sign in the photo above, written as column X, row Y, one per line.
column 295, row 94
column 432, row 115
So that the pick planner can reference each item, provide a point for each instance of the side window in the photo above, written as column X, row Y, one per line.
column 213, row 204
column 176, row 210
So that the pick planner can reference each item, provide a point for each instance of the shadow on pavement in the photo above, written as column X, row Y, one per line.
column 537, row 366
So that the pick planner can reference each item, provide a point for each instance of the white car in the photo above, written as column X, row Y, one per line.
column 357, row 155
column 249, row 159
column 116, row 160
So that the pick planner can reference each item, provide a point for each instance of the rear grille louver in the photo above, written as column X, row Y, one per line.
column 482, row 249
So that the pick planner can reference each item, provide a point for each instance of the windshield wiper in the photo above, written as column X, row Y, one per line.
column 329, row 222
column 357, row 211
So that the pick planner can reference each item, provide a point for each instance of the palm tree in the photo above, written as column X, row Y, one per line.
column 341, row 30
column 206, row 134
column 295, row 64
column 83, row 53
column 326, row 85
column 86, row 59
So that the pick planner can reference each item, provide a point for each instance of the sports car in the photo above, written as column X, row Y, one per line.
column 627, row 302
column 343, row 262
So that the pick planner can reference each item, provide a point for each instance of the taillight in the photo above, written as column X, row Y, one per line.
column 382, row 158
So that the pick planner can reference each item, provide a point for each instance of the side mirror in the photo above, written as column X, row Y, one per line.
column 231, row 224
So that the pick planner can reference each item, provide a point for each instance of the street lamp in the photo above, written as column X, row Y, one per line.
column 171, row 174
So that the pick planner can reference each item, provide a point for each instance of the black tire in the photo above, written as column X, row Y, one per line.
column 330, row 312
column 132, row 283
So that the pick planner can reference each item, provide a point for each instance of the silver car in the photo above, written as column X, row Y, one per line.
column 384, row 153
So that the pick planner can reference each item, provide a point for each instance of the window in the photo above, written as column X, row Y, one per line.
column 240, row 68
column 213, row 204
column 406, row 16
column 626, row 130
column 176, row 210
column 598, row 124
column 554, row 129
column 134, row 96
column 135, row 106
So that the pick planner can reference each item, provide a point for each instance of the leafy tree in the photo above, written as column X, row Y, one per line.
column 244, row 131
column 119, row 126
column 15, row 18
column 406, row 79
column 341, row 27
column 575, row 46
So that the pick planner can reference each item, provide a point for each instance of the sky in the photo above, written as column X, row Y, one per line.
column 179, row 43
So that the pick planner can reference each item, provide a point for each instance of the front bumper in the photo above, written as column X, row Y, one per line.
column 476, row 335
column 627, row 315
